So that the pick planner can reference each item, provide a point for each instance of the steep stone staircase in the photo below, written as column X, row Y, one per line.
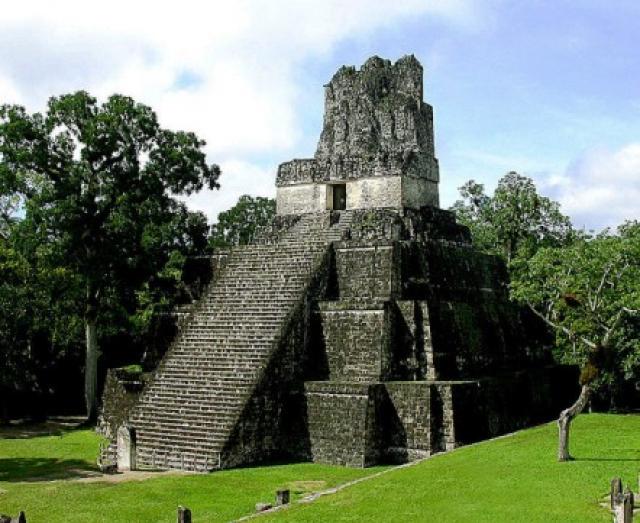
column 185, row 415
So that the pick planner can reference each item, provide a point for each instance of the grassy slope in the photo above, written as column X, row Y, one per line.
column 222, row 496
column 511, row 479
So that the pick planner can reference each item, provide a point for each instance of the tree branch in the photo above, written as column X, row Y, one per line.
column 616, row 322
column 572, row 335
column 598, row 293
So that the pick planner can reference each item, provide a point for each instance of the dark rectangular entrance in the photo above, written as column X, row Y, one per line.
column 339, row 197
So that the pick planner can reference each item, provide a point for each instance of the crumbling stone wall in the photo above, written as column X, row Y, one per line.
column 342, row 422
column 406, row 421
column 368, row 270
column 359, row 340
column 122, row 389
column 376, row 111
column 377, row 137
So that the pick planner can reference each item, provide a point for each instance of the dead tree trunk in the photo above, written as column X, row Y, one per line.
column 565, row 419
column 91, row 370
column 92, row 354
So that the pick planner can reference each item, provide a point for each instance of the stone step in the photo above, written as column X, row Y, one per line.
column 197, row 355
column 166, row 432
column 193, row 461
column 199, row 424
column 167, row 380
column 204, row 380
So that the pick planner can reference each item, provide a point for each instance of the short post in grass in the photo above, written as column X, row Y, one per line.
column 616, row 490
column 627, row 507
column 623, row 507
column 282, row 497
column 184, row 515
column 8, row 519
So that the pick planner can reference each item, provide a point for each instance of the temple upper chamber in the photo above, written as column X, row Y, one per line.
column 376, row 148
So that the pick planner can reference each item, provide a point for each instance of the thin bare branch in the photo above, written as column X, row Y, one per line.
column 598, row 292
column 616, row 322
column 572, row 335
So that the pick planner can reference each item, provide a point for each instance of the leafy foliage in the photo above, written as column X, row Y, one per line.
column 40, row 329
column 238, row 225
column 98, row 183
column 515, row 219
column 590, row 292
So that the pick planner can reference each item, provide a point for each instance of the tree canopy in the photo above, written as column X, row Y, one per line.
column 516, row 218
column 589, row 292
column 238, row 225
column 98, row 183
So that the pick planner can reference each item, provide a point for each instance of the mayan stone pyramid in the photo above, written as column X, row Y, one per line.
column 361, row 327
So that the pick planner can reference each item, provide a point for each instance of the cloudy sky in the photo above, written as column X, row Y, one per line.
column 550, row 88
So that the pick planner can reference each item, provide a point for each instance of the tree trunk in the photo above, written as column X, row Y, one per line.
column 565, row 419
column 91, row 370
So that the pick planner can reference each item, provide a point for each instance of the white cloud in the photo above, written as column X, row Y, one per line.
column 238, row 178
column 8, row 92
column 601, row 188
column 239, row 57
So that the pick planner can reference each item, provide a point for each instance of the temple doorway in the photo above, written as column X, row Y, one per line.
column 339, row 197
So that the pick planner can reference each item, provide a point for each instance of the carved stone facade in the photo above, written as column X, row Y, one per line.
column 358, row 336
column 377, row 141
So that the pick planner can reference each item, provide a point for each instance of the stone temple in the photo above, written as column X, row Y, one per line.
column 361, row 327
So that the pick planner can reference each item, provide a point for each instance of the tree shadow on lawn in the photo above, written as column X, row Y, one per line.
column 44, row 469
column 28, row 429
column 615, row 454
column 607, row 459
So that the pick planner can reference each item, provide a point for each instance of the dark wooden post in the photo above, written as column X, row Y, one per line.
column 184, row 515
column 8, row 519
column 616, row 490
column 622, row 506
column 282, row 497
column 627, row 511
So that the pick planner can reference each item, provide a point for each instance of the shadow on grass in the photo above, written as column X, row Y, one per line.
column 607, row 459
column 43, row 469
column 51, row 427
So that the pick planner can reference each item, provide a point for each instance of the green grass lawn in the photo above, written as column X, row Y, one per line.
column 511, row 479
column 65, row 454
column 31, row 470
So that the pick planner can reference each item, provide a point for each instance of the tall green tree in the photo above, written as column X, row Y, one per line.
column 238, row 225
column 109, row 174
column 40, row 328
column 515, row 218
column 589, row 292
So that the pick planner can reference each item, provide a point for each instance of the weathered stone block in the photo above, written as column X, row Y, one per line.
column 283, row 497
column 126, row 443
column 342, row 423
column 356, row 340
column 406, row 421
column 184, row 515
column 368, row 270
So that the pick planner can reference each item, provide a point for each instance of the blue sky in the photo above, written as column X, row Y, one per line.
column 548, row 88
